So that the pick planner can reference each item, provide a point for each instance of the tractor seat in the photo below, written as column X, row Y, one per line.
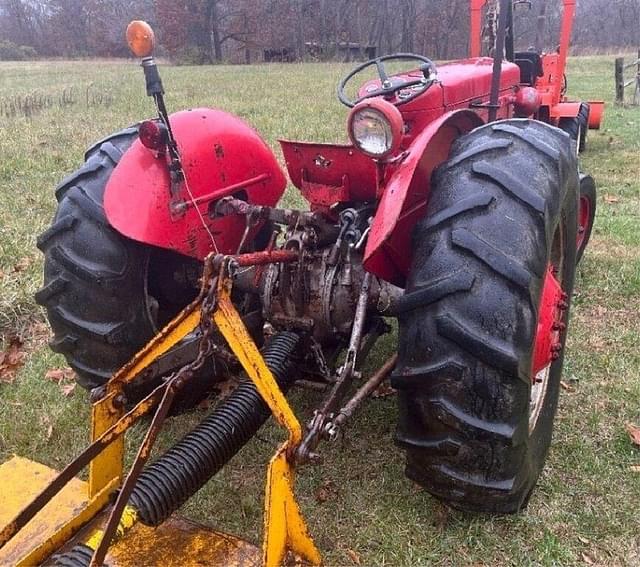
column 530, row 64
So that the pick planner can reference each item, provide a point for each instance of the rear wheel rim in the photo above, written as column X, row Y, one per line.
column 542, row 379
column 538, row 395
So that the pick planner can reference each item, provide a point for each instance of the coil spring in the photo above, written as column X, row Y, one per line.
column 167, row 483
column 79, row 556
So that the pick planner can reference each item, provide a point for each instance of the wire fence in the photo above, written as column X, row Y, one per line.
column 623, row 85
column 31, row 104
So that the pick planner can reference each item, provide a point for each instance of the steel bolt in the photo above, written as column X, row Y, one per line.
column 97, row 394
column 120, row 401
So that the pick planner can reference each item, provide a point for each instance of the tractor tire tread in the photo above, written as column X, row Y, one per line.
column 511, row 184
column 471, row 203
column 434, row 290
column 463, row 374
column 493, row 257
column 482, row 346
column 92, row 289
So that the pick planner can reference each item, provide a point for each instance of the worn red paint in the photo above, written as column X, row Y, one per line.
column 550, row 314
column 219, row 153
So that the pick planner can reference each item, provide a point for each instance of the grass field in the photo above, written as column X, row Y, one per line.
column 360, row 507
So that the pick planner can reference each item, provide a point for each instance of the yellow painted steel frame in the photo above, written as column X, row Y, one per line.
column 109, row 464
column 67, row 531
column 106, row 469
column 284, row 527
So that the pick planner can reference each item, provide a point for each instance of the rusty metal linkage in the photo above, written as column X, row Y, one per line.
column 316, row 427
column 370, row 386
column 142, row 457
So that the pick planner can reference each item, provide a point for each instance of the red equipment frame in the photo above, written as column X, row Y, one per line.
column 550, row 85
column 223, row 156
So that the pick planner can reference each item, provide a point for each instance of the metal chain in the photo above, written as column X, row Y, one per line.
column 173, row 384
column 207, row 327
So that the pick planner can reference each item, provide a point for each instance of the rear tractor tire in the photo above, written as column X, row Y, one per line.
column 105, row 295
column 475, row 423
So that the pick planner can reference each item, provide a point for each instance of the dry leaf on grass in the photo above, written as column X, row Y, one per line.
column 58, row 375
column 354, row 556
column 64, row 377
column 326, row 491
column 583, row 540
column 67, row 389
column 566, row 386
column 635, row 468
column 40, row 331
column 11, row 360
column 611, row 199
column 22, row 264
column 634, row 433
column 587, row 558
column 383, row 391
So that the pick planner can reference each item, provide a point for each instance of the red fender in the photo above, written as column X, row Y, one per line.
column 405, row 195
column 565, row 110
column 221, row 155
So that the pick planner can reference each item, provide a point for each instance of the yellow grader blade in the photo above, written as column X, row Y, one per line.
column 43, row 511
column 177, row 542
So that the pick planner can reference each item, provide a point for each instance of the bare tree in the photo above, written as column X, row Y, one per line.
column 217, row 30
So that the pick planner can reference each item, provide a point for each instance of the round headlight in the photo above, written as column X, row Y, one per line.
column 375, row 128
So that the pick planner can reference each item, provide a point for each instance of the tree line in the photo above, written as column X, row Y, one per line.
column 211, row 31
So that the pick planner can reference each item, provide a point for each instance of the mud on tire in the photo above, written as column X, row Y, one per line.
column 468, row 319
column 95, row 289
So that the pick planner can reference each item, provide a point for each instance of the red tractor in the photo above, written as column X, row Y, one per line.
column 457, row 208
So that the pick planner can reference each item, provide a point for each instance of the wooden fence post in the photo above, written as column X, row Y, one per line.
column 636, row 91
column 619, row 80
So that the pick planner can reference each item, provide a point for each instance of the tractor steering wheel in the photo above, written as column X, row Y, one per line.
column 391, row 85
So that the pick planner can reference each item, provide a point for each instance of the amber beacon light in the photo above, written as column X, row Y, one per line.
column 140, row 38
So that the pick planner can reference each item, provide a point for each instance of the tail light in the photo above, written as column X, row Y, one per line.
column 153, row 135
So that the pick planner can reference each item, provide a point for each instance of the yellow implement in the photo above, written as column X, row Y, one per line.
column 177, row 542
column 41, row 514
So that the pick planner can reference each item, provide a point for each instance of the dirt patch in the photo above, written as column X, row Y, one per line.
column 607, row 248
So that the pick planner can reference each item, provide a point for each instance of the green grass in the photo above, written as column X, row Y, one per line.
column 586, row 507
